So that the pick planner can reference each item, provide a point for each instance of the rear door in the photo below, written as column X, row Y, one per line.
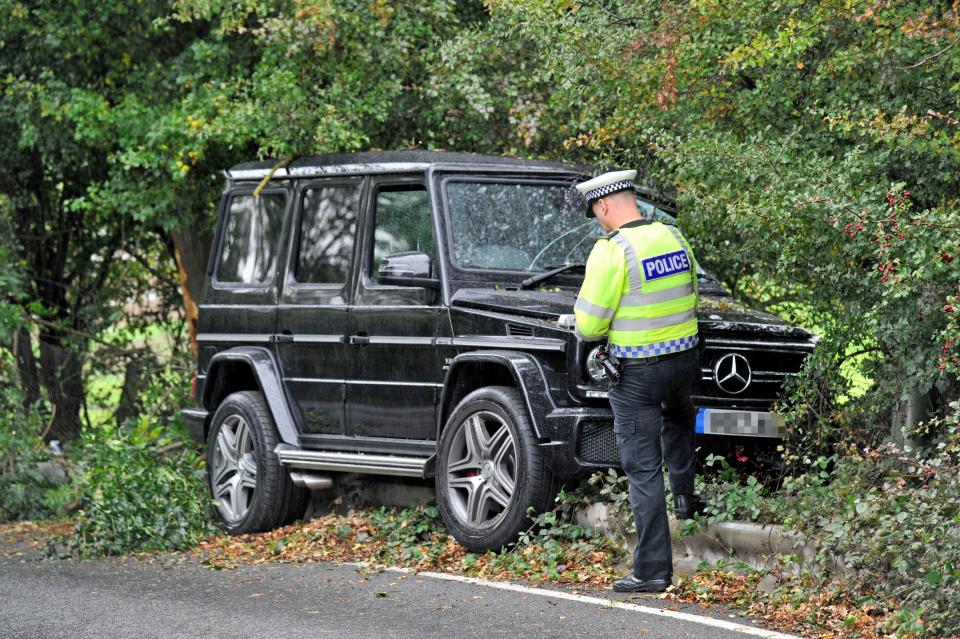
column 238, row 305
column 395, row 370
column 312, row 313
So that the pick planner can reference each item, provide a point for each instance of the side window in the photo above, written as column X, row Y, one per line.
column 251, row 239
column 402, row 223
column 327, row 230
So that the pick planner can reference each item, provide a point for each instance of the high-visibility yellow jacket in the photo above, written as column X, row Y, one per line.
column 640, row 290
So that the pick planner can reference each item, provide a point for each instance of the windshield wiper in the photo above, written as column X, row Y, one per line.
column 550, row 272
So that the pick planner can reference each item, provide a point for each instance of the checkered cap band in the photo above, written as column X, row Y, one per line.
column 660, row 348
column 608, row 189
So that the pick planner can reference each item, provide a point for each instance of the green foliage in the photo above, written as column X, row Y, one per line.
column 405, row 532
column 143, row 483
column 25, row 491
column 316, row 75
column 891, row 522
column 556, row 546
column 729, row 498
column 141, row 491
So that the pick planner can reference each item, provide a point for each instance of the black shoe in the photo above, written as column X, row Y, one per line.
column 688, row 505
column 633, row 584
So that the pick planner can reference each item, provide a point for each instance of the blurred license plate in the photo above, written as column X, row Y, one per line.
column 715, row 421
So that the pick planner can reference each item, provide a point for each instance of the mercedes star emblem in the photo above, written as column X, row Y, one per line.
column 732, row 373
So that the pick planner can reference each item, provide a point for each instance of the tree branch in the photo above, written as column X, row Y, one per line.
column 93, row 338
column 932, row 56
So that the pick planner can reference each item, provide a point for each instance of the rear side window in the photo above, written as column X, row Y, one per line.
column 327, row 232
column 251, row 239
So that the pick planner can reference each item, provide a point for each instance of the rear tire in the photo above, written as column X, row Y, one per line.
column 490, row 472
column 251, row 491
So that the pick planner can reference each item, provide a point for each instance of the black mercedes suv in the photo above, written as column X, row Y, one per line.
column 409, row 314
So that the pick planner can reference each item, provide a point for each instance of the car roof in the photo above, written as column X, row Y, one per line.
column 394, row 162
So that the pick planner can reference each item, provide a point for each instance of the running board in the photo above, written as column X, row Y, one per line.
column 351, row 462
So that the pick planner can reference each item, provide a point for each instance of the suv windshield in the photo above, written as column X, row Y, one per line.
column 514, row 226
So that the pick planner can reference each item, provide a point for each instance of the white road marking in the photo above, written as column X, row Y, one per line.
column 596, row 601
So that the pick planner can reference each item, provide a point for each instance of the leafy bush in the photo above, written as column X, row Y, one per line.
column 403, row 532
column 141, row 491
column 892, row 522
column 728, row 498
column 25, row 491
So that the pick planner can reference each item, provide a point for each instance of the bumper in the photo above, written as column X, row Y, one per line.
column 583, row 439
column 195, row 420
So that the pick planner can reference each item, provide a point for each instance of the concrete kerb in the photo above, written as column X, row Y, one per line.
column 758, row 546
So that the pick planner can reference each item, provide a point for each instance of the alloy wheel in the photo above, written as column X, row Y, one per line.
column 234, row 476
column 482, row 473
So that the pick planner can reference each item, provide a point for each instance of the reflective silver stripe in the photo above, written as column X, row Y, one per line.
column 593, row 309
column 649, row 323
column 656, row 297
column 585, row 338
column 679, row 237
column 633, row 266
column 686, row 249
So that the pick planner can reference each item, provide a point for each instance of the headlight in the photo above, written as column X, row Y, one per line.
column 596, row 373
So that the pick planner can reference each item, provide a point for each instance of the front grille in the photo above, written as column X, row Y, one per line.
column 597, row 444
column 771, row 362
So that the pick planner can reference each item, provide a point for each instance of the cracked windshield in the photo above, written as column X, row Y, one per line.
column 523, row 227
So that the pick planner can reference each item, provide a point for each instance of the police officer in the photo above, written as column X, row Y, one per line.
column 640, row 292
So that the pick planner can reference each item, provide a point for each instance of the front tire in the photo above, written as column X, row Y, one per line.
column 251, row 491
column 490, row 472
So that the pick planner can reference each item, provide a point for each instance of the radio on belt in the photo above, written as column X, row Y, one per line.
column 610, row 364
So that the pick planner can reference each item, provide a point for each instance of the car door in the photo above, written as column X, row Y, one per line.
column 395, row 371
column 312, row 314
column 239, row 302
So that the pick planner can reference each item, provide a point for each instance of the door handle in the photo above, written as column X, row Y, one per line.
column 284, row 337
column 360, row 338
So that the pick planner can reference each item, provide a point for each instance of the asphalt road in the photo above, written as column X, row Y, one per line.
column 179, row 598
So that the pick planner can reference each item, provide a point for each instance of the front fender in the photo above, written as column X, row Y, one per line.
column 527, row 375
column 266, row 372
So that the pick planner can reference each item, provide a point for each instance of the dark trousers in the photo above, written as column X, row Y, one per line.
column 653, row 417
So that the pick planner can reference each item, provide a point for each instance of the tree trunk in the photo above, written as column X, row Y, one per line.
column 912, row 409
column 26, row 366
column 134, row 379
column 191, row 249
column 61, row 369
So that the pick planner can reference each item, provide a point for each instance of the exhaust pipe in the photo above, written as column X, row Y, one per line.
column 313, row 482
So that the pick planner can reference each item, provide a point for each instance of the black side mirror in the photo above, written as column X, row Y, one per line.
column 411, row 268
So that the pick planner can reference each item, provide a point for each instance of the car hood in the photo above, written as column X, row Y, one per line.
column 717, row 313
